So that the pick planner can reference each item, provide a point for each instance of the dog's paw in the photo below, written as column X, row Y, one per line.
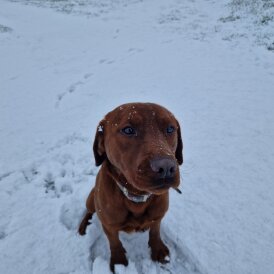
column 160, row 253
column 82, row 229
column 118, row 257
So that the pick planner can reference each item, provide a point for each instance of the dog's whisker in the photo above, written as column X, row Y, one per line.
column 178, row 190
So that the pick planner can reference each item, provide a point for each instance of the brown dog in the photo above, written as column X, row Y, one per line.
column 139, row 146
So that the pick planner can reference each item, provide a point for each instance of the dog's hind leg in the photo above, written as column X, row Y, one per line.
column 88, row 215
column 85, row 222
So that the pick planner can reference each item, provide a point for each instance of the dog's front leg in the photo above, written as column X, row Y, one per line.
column 117, row 250
column 159, row 251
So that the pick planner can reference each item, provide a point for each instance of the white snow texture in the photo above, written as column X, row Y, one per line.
column 65, row 64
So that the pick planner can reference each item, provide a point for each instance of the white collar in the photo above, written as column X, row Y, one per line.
column 133, row 197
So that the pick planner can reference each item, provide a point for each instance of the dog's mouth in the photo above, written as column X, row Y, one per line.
column 163, row 183
column 159, row 186
column 150, row 184
column 163, row 186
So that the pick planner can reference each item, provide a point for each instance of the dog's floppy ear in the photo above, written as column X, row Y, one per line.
column 179, row 149
column 99, row 146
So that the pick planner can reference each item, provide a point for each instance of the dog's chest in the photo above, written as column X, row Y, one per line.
column 137, row 218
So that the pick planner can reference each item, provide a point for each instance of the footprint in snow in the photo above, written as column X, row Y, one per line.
column 49, row 183
column 3, row 235
column 70, row 214
column 72, row 88
column 106, row 61
column 5, row 29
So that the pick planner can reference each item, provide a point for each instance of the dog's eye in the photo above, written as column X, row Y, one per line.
column 170, row 129
column 129, row 131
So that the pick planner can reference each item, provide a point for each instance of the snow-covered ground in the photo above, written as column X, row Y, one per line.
column 64, row 64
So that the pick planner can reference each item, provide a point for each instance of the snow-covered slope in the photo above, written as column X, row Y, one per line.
column 64, row 64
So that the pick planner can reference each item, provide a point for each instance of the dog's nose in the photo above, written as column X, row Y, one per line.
column 163, row 167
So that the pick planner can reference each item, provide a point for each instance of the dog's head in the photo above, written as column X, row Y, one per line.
column 143, row 142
